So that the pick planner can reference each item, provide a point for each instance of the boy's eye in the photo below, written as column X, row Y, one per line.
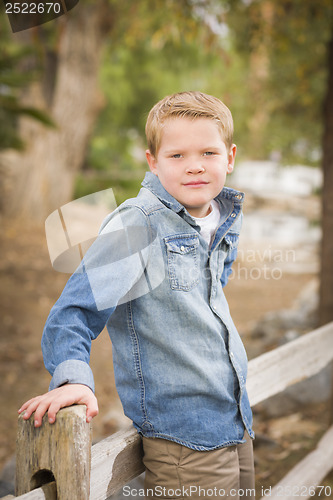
column 208, row 153
column 177, row 155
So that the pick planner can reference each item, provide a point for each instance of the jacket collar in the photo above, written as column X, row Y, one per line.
column 152, row 182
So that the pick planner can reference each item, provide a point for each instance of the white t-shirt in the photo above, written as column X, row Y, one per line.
column 209, row 223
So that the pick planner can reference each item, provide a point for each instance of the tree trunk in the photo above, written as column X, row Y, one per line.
column 258, row 76
column 326, row 273
column 41, row 178
column 326, row 277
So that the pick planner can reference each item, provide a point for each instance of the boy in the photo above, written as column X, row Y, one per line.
column 180, row 366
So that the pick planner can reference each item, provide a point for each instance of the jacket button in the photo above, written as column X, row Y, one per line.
column 182, row 248
column 233, row 214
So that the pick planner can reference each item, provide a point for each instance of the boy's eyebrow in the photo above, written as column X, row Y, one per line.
column 172, row 151
column 180, row 149
column 209, row 148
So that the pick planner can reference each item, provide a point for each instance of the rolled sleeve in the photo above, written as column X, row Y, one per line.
column 109, row 271
column 72, row 371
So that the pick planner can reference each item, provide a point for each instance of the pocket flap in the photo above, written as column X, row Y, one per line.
column 182, row 244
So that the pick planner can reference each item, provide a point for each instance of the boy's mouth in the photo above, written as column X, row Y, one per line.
column 195, row 183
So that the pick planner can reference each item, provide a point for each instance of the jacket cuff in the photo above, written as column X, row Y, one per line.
column 72, row 371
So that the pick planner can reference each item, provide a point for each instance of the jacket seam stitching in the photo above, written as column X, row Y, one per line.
column 137, row 363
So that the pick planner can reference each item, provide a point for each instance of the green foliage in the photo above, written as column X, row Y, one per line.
column 285, row 44
column 12, row 82
column 267, row 65
column 134, row 78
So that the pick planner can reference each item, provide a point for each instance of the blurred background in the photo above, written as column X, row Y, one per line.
column 74, row 96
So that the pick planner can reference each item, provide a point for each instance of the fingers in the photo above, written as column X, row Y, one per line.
column 30, row 406
column 47, row 405
column 51, row 402
column 39, row 406
column 92, row 408
column 29, row 403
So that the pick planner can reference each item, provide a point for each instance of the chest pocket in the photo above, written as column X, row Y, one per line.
column 183, row 261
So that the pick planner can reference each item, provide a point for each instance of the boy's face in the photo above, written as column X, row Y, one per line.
column 192, row 162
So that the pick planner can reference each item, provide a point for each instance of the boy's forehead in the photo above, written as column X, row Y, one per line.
column 176, row 129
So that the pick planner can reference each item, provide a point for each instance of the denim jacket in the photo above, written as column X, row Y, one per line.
column 180, row 365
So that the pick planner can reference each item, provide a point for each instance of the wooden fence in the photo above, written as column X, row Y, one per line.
column 59, row 462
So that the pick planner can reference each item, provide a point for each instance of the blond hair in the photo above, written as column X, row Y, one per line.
column 189, row 105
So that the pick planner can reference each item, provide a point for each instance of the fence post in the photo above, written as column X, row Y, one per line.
column 59, row 452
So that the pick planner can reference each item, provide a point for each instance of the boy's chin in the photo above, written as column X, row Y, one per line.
column 199, row 211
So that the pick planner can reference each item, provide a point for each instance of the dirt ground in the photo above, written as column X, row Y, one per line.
column 29, row 287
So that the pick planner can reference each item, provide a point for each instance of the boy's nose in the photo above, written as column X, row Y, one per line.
column 195, row 167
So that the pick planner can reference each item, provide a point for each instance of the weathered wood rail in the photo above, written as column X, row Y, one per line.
column 59, row 462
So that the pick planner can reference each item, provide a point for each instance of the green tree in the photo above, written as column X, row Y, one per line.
column 12, row 81
column 133, row 79
column 285, row 44
column 69, row 51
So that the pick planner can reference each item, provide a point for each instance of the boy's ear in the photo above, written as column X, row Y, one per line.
column 151, row 162
column 231, row 158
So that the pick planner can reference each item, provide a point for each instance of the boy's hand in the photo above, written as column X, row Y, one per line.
column 63, row 396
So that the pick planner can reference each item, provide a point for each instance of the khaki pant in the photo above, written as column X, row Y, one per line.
column 176, row 472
